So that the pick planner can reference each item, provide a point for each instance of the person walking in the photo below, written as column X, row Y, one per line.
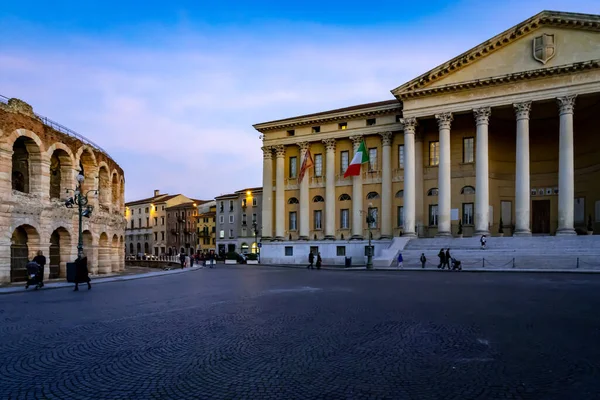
column 41, row 261
column 211, row 257
column 447, row 259
column 319, row 260
column 82, row 272
column 442, row 257
column 423, row 260
column 400, row 259
column 483, row 242
column 182, row 260
column 311, row 259
column 202, row 260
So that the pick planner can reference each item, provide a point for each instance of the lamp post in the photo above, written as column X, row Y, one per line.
column 84, row 210
column 370, row 220
column 255, row 228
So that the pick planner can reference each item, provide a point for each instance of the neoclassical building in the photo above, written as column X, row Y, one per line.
column 39, row 162
column 501, row 138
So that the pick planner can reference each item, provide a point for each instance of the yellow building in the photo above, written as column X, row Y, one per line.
column 504, row 132
column 206, row 226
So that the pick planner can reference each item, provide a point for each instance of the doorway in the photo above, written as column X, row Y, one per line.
column 540, row 212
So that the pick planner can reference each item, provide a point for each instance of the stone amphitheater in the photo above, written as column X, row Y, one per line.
column 39, row 163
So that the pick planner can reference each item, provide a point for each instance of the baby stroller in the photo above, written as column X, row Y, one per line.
column 33, row 275
column 456, row 265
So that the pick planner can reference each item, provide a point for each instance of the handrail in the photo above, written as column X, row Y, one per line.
column 61, row 128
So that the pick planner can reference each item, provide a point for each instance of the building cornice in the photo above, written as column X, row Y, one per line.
column 545, row 18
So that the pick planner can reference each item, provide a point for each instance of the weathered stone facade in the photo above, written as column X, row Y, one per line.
column 38, row 165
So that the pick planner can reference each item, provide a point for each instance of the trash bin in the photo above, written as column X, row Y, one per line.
column 348, row 262
column 71, row 272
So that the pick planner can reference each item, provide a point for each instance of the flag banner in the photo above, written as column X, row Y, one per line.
column 306, row 164
column 361, row 157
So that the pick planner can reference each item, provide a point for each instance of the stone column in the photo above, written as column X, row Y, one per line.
column 409, row 176
column 330, row 189
column 566, row 167
column 482, row 185
column 386, row 186
column 419, row 211
column 444, row 178
column 5, row 174
column 279, row 193
column 357, row 196
column 5, row 258
column 304, row 228
column 267, row 199
column 522, row 177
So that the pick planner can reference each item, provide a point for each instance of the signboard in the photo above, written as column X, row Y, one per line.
column 454, row 214
column 259, row 245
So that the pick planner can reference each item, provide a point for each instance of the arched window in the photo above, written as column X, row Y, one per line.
column 432, row 192
column 400, row 194
column 293, row 200
column 345, row 197
column 467, row 190
column 372, row 195
column 318, row 199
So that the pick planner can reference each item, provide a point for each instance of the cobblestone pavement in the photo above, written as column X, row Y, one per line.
column 269, row 333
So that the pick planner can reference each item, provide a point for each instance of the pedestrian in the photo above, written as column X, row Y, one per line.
column 182, row 260
column 212, row 258
column 311, row 259
column 442, row 256
column 82, row 272
column 319, row 260
column 192, row 260
column 400, row 259
column 41, row 261
column 447, row 258
column 423, row 260
column 483, row 242
column 202, row 260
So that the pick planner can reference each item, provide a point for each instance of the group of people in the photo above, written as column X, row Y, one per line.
column 446, row 260
column 200, row 258
column 35, row 271
column 311, row 260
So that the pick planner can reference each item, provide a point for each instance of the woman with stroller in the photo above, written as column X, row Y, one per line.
column 41, row 261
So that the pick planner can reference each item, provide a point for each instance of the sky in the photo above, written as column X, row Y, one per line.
column 171, row 89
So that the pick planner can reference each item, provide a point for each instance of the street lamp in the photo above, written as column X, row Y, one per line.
column 255, row 229
column 370, row 220
column 84, row 209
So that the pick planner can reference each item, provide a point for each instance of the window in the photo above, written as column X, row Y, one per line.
column 316, row 129
column 579, row 214
column 156, row 236
column 468, row 144
column 162, row 220
column 155, row 208
column 231, row 219
column 147, row 221
column 373, row 159
column 433, row 215
column 162, row 236
column 244, row 232
column 155, row 221
column 371, row 121
column 254, row 217
column 317, row 215
column 146, row 211
column 318, row 165
column 434, row 153
column 291, row 132
column 345, row 197
column 244, row 219
column 340, row 251
column 244, row 203
column 139, row 210
column 289, row 251
column 139, row 222
column 467, row 190
column 344, row 161
column 506, row 212
column 293, row 167
column 467, row 217
column 230, row 205
column 318, row 199
column 254, row 202
column 293, row 200
column 372, row 195
column 231, row 233
column 221, row 207
column 373, row 213
column 221, row 234
column 132, row 224
column 433, row 192
column 400, row 216
column 344, row 218
column 401, row 156
column 221, row 219
column 293, row 221
column 163, row 208
column 400, row 194
column 343, row 125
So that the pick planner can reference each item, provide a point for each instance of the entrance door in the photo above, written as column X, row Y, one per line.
column 540, row 212
column 54, row 256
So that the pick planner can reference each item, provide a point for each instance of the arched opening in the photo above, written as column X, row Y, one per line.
column 115, row 249
column 24, row 239
column 372, row 195
column 139, row 249
column 61, row 167
column 87, row 164
column 244, row 248
column 432, row 192
column 122, row 195
column 293, row 200
column 26, row 165
column 146, row 248
column 60, row 253
column 103, row 254
column 254, row 248
column 131, row 253
column 103, row 187
column 345, row 197
column 467, row 190
column 318, row 199
column 400, row 194
column 115, row 191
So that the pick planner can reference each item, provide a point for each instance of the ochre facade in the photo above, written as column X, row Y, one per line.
column 38, row 166
column 506, row 131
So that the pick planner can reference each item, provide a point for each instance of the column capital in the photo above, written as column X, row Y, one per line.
column 444, row 120
column 356, row 139
column 522, row 110
column 303, row 146
column 386, row 138
column 267, row 152
column 329, row 144
column 482, row 115
column 566, row 104
column 410, row 124
column 279, row 150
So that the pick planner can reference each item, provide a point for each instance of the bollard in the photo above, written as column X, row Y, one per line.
column 513, row 262
column 577, row 263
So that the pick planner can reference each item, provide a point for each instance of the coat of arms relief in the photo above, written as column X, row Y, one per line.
column 544, row 48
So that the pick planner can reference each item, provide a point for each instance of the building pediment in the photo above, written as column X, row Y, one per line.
column 550, row 43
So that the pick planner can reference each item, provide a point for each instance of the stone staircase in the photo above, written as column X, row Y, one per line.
column 536, row 252
column 388, row 256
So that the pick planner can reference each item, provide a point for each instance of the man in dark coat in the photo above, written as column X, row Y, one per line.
column 81, row 272
column 182, row 259
column 41, row 261
column 442, row 257
column 311, row 260
column 447, row 259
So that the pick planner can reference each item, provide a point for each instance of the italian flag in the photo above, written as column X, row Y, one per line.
column 359, row 158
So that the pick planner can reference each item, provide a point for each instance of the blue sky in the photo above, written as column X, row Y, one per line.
column 171, row 89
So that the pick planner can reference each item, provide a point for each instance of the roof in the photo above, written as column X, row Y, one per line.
column 183, row 205
column 167, row 198
column 544, row 18
column 149, row 200
column 207, row 214
column 223, row 196
column 254, row 189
